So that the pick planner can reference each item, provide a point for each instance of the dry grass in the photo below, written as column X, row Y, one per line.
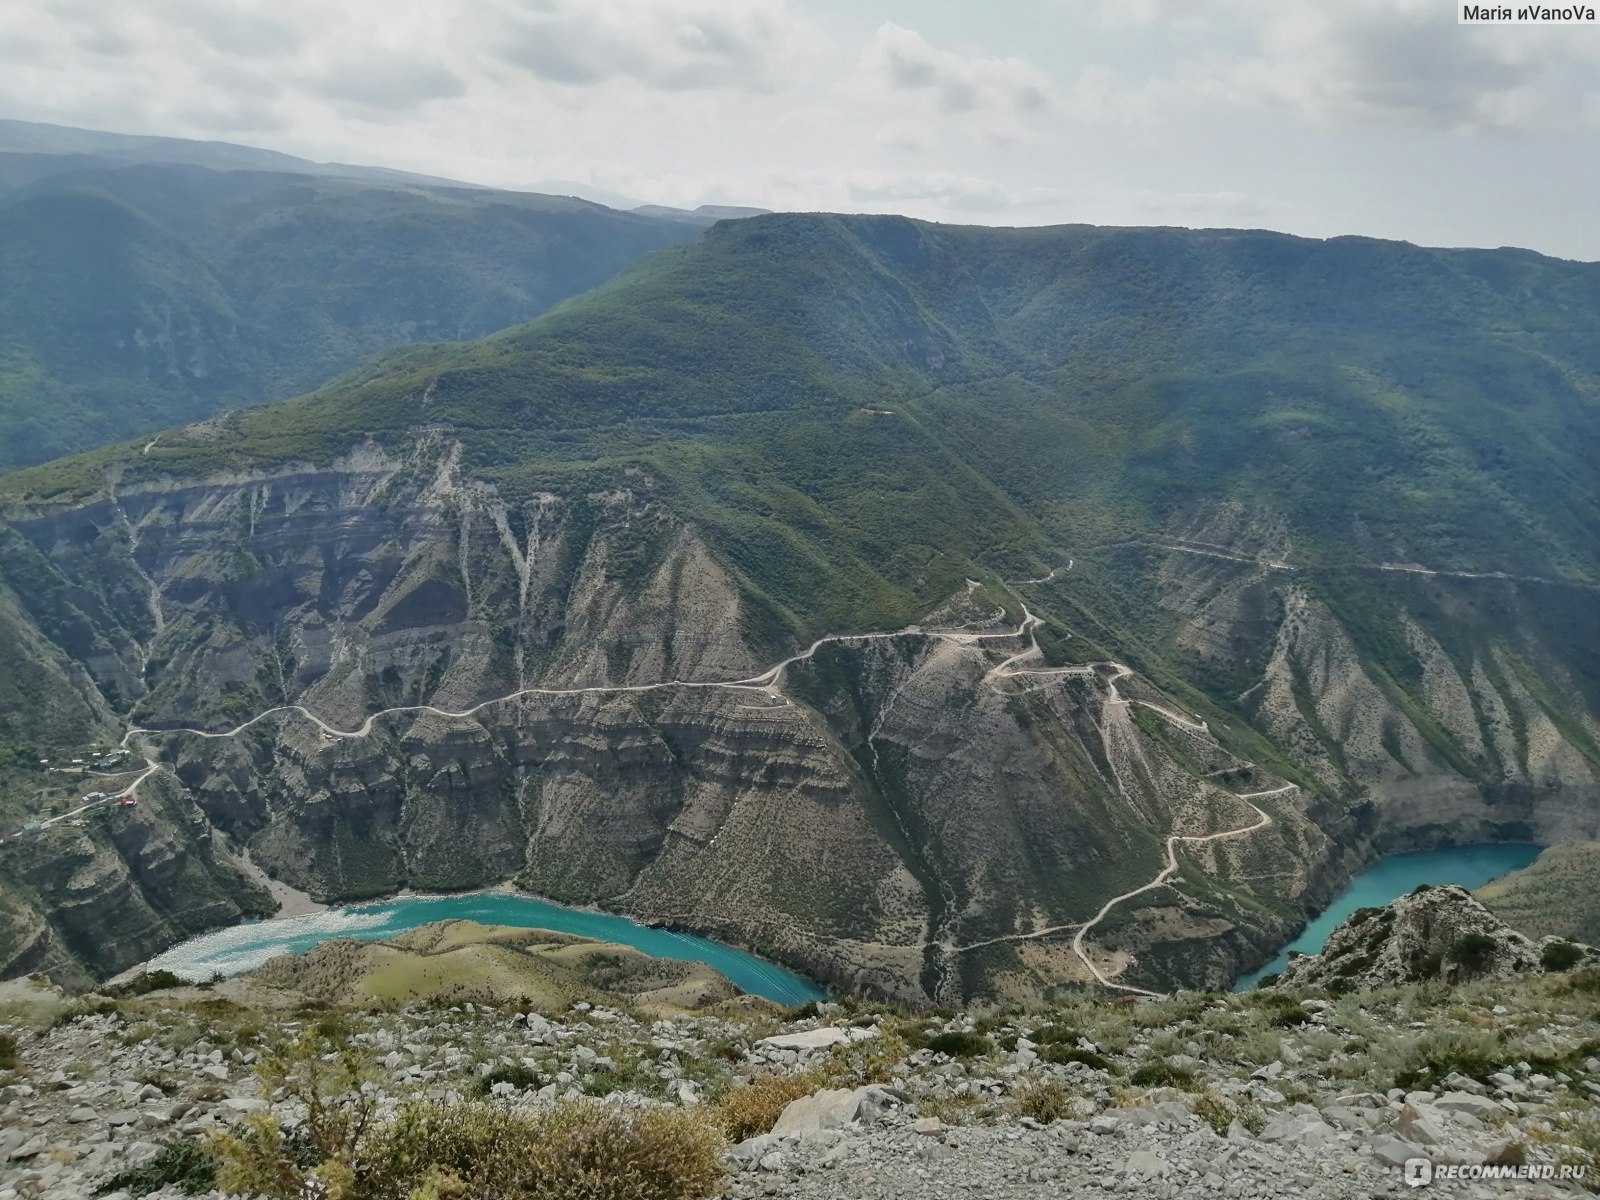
column 577, row 1149
column 754, row 1108
column 1045, row 1100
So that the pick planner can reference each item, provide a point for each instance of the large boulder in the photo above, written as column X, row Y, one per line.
column 834, row 1108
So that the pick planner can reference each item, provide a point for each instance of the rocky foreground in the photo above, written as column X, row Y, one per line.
column 1311, row 1091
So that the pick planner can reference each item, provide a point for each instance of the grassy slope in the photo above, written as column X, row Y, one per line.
column 1556, row 895
column 450, row 961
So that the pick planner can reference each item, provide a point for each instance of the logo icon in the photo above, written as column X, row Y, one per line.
column 1419, row 1172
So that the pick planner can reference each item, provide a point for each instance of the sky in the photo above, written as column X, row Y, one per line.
column 1376, row 117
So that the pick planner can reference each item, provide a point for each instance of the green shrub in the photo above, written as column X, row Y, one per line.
column 10, row 1058
column 85, row 1008
column 517, row 1075
column 1283, row 1010
column 1159, row 1072
column 1584, row 982
column 576, row 1150
column 1561, row 956
column 1425, row 966
column 959, row 1045
column 146, row 982
column 1052, row 1035
column 1059, row 1053
column 183, row 1163
column 1214, row 1111
column 1427, row 1060
column 1472, row 951
column 321, row 1155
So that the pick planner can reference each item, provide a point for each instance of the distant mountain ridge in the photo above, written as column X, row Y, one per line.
column 150, row 281
column 35, row 137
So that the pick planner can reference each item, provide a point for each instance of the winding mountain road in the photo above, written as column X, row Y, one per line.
column 1009, row 668
column 769, row 682
column 1263, row 819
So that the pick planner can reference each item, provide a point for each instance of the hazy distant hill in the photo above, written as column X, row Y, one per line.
column 706, row 214
column 32, row 137
column 137, row 294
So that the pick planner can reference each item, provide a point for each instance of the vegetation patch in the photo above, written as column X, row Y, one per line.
column 1059, row 1053
column 754, row 1108
column 1560, row 956
column 184, row 1163
column 1161, row 1072
column 518, row 1076
column 1044, row 1100
column 146, row 982
column 1473, row 951
column 959, row 1045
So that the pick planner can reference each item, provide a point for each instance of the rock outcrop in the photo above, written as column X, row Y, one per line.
column 1435, row 933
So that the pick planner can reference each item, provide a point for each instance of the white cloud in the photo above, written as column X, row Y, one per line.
column 667, row 44
column 989, row 88
column 1373, row 116
column 1359, row 62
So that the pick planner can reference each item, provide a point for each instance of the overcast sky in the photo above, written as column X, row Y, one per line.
column 1322, row 117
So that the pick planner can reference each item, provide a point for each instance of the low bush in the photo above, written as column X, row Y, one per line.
column 1160, row 1072
column 1052, row 1035
column 1059, row 1053
column 577, row 1149
column 146, row 982
column 755, row 1107
column 85, row 1008
column 1427, row 1060
column 1045, row 1100
column 517, row 1075
column 1584, row 982
column 10, row 1058
column 1214, row 1111
column 1282, row 1010
column 1473, row 951
column 183, row 1163
column 959, row 1045
column 1561, row 956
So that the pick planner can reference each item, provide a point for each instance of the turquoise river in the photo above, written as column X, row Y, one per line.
column 241, row 947
column 1392, row 877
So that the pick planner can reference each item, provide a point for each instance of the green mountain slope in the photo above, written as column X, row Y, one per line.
column 137, row 296
column 1314, row 524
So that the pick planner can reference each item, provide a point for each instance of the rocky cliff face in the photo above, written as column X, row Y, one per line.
column 926, row 817
column 90, row 899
